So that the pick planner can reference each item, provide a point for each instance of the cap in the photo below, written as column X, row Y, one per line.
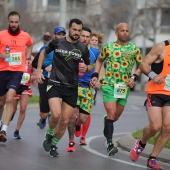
column 59, row 29
column 47, row 36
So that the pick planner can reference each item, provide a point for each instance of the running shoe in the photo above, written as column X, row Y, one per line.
column 136, row 151
column 47, row 142
column 41, row 124
column 104, row 120
column 16, row 135
column 83, row 141
column 111, row 150
column 53, row 151
column 78, row 129
column 71, row 147
column 154, row 165
column 3, row 136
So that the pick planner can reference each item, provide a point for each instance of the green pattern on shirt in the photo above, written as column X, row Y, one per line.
column 120, row 60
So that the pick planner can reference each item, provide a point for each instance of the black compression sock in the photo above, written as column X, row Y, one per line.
column 141, row 144
column 152, row 157
column 109, row 128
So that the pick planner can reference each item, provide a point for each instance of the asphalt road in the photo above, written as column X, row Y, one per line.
column 28, row 153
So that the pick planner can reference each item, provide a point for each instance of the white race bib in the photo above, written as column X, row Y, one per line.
column 25, row 78
column 15, row 59
column 120, row 91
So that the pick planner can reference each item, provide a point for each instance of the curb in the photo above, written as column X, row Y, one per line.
column 127, row 142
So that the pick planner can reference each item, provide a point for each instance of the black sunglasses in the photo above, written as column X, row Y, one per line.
column 47, row 37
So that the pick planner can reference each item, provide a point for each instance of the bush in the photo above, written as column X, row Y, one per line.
column 34, row 99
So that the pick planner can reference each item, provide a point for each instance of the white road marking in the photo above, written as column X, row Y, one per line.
column 87, row 147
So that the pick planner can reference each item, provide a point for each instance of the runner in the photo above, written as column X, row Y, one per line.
column 63, row 83
column 156, row 66
column 119, row 57
column 22, row 95
column 59, row 32
column 85, row 97
column 15, row 51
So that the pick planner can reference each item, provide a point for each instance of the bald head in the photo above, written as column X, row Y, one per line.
column 122, row 32
column 120, row 25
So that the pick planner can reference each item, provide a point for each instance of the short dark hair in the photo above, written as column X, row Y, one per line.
column 87, row 29
column 75, row 20
column 13, row 13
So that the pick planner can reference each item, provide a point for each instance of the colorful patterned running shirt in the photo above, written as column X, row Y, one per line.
column 120, row 60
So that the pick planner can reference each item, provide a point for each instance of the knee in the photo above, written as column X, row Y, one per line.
column 111, row 116
column 155, row 128
column 166, row 128
column 55, row 118
column 22, row 110
column 9, row 100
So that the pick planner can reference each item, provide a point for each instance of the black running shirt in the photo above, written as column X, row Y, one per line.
column 66, row 59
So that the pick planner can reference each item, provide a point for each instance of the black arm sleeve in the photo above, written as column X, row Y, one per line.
column 86, row 57
column 35, row 60
column 51, row 46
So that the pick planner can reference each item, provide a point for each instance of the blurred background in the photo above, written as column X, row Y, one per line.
column 149, row 20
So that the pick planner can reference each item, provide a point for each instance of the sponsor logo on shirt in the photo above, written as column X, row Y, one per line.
column 74, row 54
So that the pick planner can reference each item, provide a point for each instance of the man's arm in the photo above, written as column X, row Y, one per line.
column 95, row 75
column 28, row 54
column 155, row 55
column 40, row 62
column 151, row 57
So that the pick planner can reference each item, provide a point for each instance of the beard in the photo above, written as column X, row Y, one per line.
column 73, row 38
column 14, row 32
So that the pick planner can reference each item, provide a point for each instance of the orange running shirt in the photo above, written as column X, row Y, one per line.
column 164, row 88
column 17, row 45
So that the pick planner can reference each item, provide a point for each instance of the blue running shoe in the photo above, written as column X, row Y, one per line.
column 16, row 135
column 41, row 123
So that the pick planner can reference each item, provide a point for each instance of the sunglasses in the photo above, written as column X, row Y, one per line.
column 47, row 37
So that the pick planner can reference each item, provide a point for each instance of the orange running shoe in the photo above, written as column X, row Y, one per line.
column 78, row 129
column 83, row 141
column 71, row 147
column 154, row 165
column 136, row 151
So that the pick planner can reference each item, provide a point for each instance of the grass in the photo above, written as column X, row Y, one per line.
column 34, row 99
column 138, row 135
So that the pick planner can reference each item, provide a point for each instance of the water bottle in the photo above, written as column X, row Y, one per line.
column 7, row 50
column 81, row 63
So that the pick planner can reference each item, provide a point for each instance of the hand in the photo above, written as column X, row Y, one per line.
column 97, row 86
column 159, row 79
column 130, row 83
column 82, row 67
column 4, row 55
column 40, row 78
column 48, row 68
column 93, row 81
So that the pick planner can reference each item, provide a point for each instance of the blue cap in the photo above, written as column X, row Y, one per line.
column 59, row 29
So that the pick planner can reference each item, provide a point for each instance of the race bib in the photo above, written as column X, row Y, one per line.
column 120, row 91
column 25, row 78
column 167, row 83
column 15, row 59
